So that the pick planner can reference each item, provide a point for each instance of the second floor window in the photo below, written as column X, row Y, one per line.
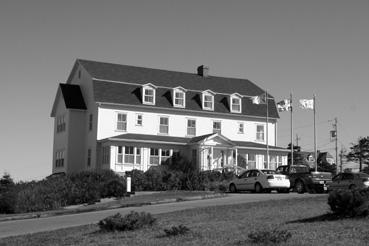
column 217, row 127
column 191, row 127
column 260, row 132
column 139, row 119
column 164, row 125
column 59, row 159
column 240, row 128
column 60, row 124
column 122, row 122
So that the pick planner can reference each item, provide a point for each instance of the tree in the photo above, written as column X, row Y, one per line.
column 297, row 156
column 7, row 194
column 360, row 152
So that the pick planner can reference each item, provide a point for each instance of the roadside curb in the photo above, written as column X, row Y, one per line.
column 86, row 210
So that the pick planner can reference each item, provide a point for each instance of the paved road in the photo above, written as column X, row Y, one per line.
column 18, row 227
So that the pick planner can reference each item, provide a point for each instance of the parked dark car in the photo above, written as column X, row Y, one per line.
column 349, row 181
column 302, row 179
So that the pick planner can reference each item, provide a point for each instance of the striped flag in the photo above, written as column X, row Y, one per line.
column 284, row 105
column 259, row 99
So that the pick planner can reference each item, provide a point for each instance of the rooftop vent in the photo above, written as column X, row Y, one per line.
column 203, row 71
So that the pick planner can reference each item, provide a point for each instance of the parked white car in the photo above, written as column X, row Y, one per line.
column 260, row 181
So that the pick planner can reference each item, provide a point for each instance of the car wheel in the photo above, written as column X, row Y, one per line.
column 352, row 187
column 232, row 188
column 300, row 187
column 258, row 188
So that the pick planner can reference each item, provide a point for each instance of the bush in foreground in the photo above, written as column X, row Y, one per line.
column 349, row 203
column 267, row 236
column 129, row 222
column 176, row 231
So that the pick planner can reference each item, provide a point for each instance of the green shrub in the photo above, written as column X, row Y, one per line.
column 349, row 203
column 114, row 188
column 176, row 231
column 154, row 178
column 138, row 180
column 129, row 222
column 269, row 236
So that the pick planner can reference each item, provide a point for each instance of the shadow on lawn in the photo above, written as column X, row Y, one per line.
column 320, row 218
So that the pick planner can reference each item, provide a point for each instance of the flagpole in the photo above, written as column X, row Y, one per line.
column 291, row 128
column 267, row 119
column 315, row 144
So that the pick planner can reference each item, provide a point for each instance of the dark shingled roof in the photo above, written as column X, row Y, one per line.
column 72, row 96
column 122, row 93
column 257, row 145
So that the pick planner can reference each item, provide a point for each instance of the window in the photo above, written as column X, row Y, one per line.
column 235, row 104
column 191, row 127
column 106, row 155
column 179, row 98
column 120, row 154
column 59, row 159
column 260, row 132
column 149, row 96
column 240, row 128
column 251, row 161
column 154, row 156
column 208, row 101
column 273, row 162
column 217, row 127
column 121, row 122
column 164, row 125
column 138, row 119
column 138, row 155
column 60, row 123
column 89, row 157
column 90, row 124
column 128, row 154
column 279, row 161
column 165, row 154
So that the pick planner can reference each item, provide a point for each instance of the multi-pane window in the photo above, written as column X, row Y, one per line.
column 60, row 123
column 191, row 127
column 120, row 154
column 59, row 158
column 179, row 99
column 241, row 127
column 148, row 96
column 89, row 157
column 154, row 156
column 164, row 125
column 139, row 119
column 165, row 154
column 272, row 162
column 106, row 155
column 138, row 155
column 121, row 122
column 251, row 161
column 260, row 132
column 90, row 122
column 217, row 127
column 128, row 154
column 208, row 101
column 235, row 105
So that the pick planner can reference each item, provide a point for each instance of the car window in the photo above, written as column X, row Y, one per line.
column 244, row 174
column 337, row 177
column 269, row 171
column 347, row 176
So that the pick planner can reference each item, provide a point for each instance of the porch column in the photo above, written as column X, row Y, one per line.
column 236, row 159
column 211, row 157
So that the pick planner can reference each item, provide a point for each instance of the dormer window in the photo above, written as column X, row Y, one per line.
column 235, row 101
column 179, row 97
column 208, row 100
column 148, row 94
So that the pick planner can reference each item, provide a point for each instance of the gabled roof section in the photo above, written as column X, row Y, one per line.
column 236, row 95
column 150, row 85
column 209, row 92
column 121, row 84
column 73, row 97
column 180, row 88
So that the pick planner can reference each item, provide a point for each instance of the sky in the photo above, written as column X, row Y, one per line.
column 284, row 46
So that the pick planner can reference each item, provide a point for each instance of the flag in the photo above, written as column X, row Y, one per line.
column 307, row 103
column 259, row 99
column 284, row 105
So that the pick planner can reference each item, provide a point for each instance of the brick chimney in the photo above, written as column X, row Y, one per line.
column 203, row 71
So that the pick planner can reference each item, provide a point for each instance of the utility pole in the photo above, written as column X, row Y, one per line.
column 342, row 153
column 336, row 139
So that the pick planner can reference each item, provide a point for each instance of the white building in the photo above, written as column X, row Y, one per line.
column 110, row 116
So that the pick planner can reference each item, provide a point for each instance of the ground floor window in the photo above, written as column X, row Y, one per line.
column 106, row 155
column 165, row 154
column 154, row 156
column 129, row 156
column 251, row 161
column 273, row 162
column 138, row 155
column 89, row 157
column 59, row 158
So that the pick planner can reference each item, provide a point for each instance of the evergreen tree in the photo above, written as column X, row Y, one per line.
column 360, row 151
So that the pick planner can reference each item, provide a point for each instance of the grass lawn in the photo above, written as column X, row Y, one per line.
column 222, row 225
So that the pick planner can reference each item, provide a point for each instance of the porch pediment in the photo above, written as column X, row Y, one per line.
column 215, row 139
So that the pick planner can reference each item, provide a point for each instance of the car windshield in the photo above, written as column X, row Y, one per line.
column 363, row 175
column 268, row 171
